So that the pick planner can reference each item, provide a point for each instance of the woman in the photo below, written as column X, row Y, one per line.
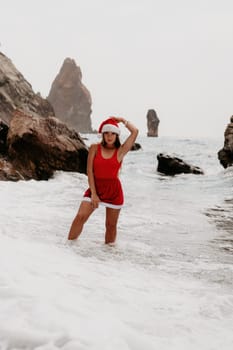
column 103, row 164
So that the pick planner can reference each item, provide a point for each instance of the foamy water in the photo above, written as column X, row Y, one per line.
column 167, row 284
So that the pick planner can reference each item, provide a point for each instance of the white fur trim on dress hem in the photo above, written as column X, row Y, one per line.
column 108, row 205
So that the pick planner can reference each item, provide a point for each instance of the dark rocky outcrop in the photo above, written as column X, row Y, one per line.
column 16, row 92
column 136, row 146
column 225, row 155
column 152, row 123
column 8, row 172
column 3, row 137
column 39, row 146
column 33, row 143
column 170, row 165
column 70, row 98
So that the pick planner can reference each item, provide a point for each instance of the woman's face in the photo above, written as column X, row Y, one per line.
column 109, row 138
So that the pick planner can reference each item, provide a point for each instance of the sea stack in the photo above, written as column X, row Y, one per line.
column 152, row 123
column 225, row 155
column 70, row 99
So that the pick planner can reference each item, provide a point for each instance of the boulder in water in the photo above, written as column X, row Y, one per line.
column 225, row 155
column 170, row 165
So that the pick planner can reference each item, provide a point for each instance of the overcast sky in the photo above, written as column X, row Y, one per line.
column 174, row 56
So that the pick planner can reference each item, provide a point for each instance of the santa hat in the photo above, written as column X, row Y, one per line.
column 109, row 125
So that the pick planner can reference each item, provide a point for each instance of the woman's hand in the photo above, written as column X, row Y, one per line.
column 95, row 201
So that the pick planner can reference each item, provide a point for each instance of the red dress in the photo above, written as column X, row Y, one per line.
column 107, row 183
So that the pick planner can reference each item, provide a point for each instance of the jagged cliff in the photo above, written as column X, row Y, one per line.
column 16, row 92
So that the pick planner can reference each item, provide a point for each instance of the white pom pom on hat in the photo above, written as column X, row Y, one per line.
column 109, row 125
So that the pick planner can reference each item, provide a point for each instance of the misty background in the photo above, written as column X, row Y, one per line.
column 172, row 56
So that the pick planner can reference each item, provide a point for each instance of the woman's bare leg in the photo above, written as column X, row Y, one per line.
column 85, row 210
column 112, row 216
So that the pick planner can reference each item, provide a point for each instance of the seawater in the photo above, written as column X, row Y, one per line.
column 167, row 284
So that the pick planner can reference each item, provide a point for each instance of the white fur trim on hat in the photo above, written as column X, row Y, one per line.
column 111, row 128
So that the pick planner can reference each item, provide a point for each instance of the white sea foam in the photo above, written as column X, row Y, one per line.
column 167, row 284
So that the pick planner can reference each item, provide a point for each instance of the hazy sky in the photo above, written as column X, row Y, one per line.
column 175, row 56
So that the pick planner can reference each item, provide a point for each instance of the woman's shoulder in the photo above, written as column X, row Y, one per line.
column 94, row 147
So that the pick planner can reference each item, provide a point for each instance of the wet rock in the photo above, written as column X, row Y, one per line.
column 225, row 155
column 170, row 165
column 8, row 172
column 3, row 137
column 39, row 146
column 136, row 146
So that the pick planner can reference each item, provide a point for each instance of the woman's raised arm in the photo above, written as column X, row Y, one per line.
column 129, row 142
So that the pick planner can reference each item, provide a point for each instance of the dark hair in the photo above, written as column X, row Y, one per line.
column 117, row 142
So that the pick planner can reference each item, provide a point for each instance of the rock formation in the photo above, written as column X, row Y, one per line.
column 136, row 146
column 3, row 137
column 152, row 123
column 33, row 143
column 39, row 146
column 225, row 155
column 16, row 92
column 169, row 165
column 70, row 98
column 8, row 172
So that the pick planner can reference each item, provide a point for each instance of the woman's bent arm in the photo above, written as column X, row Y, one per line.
column 127, row 145
column 91, row 180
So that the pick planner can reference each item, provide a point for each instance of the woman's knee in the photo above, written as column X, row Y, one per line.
column 81, row 218
column 84, row 212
